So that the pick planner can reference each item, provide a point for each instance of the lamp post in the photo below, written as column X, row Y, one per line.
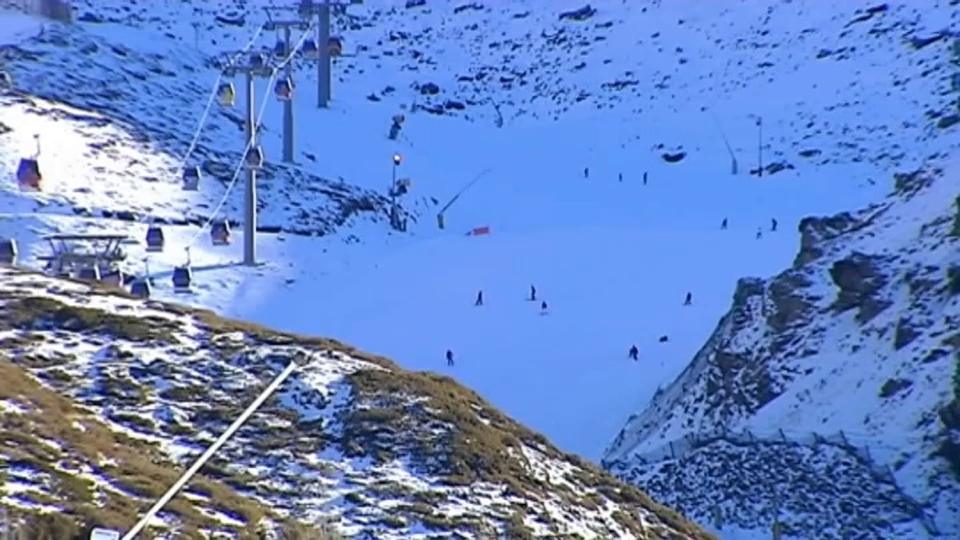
column 394, row 211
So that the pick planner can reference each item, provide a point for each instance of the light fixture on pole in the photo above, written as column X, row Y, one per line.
column 394, row 214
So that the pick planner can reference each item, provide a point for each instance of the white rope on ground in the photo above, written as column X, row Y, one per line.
column 250, row 141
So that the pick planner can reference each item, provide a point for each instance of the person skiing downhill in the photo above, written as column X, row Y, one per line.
column 773, row 225
column 634, row 352
column 479, row 301
column 449, row 357
column 543, row 307
column 586, row 172
column 723, row 224
column 688, row 300
column 533, row 293
column 644, row 177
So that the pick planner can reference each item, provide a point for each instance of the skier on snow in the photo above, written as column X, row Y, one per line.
column 543, row 307
column 449, row 357
column 533, row 293
column 634, row 351
column 644, row 177
column 723, row 224
column 479, row 301
column 688, row 300
column 773, row 225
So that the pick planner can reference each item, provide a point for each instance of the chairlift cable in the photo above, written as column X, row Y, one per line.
column 206, row 110
column 249, row 145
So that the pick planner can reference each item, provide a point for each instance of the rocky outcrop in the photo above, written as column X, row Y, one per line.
column 859, row 279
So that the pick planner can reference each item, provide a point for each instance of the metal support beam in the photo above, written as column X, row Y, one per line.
column 322, row 11
column 250, row 195
column 250, row 71
column 288, row 115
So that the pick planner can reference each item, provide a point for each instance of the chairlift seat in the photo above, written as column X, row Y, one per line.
column 257, row 60
column 335, row 46
column 154, row 239
column 140, row 288
column 309, row 49
column 191, row 178
column 28, row 175
column 254, row 157
column 182, row 279
column 89, row 273
column 113, row 277
column 226, row 94
column 283, row 89
column 220, row 233
column 8, row 251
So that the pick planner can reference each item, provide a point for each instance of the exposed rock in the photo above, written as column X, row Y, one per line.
column 859, row 278
column 893, row 386
column 581, row 14
column 815, row 231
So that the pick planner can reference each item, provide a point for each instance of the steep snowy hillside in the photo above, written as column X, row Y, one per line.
column 570, row 117
column 389, row 453
column 828, row 395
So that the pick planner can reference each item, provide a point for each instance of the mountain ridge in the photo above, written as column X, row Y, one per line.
column 869, row 303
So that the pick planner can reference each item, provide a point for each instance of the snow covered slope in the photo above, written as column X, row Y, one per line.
column 855, row 348
column 845, row 98
column 388, row 453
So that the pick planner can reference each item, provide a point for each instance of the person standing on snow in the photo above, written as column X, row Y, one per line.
column 449, row 358
column 688, row 300
column 586, row 172
column 479, row 301
column 543, row 307
column 634, row 352
column 644, row 177
column 533, row 293
column 773, row 225
column 723, row 224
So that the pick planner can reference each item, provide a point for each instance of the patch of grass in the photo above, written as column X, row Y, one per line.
column 42, row 312
column 133, row 466
column 443, row 428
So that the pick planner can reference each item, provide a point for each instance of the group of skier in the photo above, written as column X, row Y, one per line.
column 633, row 352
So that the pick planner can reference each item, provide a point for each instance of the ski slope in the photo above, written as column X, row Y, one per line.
column 612, row 258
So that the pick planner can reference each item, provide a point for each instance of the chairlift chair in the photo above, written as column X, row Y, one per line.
column 8, row 251
column 154, row 239
column 89, row 273
column 191, row 178
column 220, row 233
column 258, row 60
column 310, row 50
column 226, row 94
column 140, row 287
column 113, row 277
column 182, row 279
column 254, row 157
column 28, row 175
column 284, row 89
column 335, row 46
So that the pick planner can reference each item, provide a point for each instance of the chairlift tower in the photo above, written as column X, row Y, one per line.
column 256, row 66
column 321, row 9
column 283, row 49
